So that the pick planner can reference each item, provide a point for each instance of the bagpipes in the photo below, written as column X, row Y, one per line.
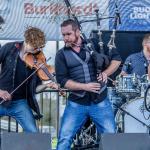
column 111, row 44
column 100, row 59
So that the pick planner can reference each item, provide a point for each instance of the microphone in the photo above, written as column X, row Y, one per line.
column 146, row 67
column 118, row 13
column 128, row 65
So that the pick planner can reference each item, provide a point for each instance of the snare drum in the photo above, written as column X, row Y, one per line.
column 128, row 124
column 128, row 85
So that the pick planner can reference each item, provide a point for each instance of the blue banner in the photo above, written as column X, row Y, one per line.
column 135, row 14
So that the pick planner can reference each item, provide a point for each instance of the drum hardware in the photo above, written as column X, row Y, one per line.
column 2, row 21
column 123, row 113
column 147, row 98
column 114, row 98
column 144, row 84
column 143, row 110
column 86, row 138
column 128, row 86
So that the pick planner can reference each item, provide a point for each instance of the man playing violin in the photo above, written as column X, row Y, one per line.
column 13, row 72
column 76, row 71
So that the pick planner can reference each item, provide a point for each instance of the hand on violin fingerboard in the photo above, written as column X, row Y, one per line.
column 56, row 86
column 53, row 85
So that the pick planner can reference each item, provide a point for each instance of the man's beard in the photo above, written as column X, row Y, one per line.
column 68, row 45
column 73, row 43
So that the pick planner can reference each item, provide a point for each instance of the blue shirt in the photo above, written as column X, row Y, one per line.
column 136, row 63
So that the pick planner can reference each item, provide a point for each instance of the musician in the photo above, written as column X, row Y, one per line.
column 138, row 63
column 13, row 72
column 75, row 70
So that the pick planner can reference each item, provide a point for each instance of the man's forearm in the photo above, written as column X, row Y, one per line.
column 72, row 85
column 114, row 65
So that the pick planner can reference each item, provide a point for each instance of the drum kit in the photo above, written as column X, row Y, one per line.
column 127, row 99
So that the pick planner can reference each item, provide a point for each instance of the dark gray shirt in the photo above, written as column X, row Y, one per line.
column 62, row 73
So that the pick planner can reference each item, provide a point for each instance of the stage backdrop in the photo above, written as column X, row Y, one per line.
column 48, row 14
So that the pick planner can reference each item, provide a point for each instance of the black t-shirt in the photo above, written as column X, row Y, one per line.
column 20, row 75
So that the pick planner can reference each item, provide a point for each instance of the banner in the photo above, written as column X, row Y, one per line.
column 49, row 14
column 44, row 14
column 135, row 15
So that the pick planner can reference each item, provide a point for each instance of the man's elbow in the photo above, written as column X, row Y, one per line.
column 116, row 62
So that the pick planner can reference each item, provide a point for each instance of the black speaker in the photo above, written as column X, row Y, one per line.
column 125, row 141
column 25, row 141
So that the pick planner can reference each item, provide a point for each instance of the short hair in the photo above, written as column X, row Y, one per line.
column 146, row 38
column 35, row 37
column 71, row 22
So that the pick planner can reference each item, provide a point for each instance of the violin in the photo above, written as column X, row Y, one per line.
column 45, row 72
column 38, row 61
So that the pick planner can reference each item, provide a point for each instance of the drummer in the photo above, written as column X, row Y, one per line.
column 139, row 63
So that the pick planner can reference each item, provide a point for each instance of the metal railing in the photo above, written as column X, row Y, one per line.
column 51, row 106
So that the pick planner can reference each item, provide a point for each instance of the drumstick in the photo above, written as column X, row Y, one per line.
column 113, row 81
column 110, row 79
